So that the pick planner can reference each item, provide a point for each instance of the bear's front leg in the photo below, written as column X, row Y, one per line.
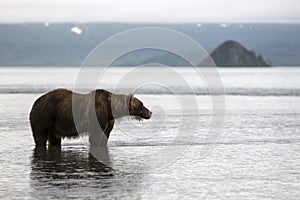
column 98, row 139
column 97, row 135
column 109, row 127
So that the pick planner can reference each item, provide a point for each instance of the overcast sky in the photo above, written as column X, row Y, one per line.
column 225, row 11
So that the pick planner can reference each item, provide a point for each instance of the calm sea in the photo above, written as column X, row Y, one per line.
column 256, row 155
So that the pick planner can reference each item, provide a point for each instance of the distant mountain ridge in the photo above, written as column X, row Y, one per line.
column 68, row 44
column 233, row 54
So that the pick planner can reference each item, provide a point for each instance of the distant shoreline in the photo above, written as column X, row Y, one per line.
column 58, row 44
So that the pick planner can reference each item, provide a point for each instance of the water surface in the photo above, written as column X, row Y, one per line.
column 256, row 157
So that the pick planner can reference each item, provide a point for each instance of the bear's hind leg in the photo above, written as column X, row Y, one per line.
column 40, row 139
column 40, row 136
column 54, row 140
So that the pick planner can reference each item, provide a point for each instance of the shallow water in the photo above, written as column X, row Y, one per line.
column 257, row 155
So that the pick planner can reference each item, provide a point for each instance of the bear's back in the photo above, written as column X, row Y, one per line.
column 48, row 101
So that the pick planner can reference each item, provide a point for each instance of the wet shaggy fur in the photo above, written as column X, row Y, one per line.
column 51, row 117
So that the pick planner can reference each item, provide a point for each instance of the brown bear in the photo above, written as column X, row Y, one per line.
column 52, row 117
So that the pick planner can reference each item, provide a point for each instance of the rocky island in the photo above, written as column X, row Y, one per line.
column 233, row 54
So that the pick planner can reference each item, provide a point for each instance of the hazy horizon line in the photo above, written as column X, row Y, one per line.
column 148, row 22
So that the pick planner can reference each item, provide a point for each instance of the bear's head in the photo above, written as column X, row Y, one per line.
column 137, row 109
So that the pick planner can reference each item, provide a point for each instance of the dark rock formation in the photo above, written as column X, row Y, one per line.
column 233, row 54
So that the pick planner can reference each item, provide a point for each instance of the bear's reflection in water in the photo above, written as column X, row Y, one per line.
column 74, row 172
column 57, row 167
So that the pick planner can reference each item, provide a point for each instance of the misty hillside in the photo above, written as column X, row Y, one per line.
column 57, row 45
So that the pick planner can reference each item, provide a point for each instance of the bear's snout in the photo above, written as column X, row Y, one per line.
column 146, row 114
